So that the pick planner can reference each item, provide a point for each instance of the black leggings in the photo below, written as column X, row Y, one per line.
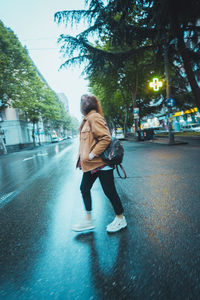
column 107, row 182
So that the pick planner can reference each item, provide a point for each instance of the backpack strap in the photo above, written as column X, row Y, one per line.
column 125, row 176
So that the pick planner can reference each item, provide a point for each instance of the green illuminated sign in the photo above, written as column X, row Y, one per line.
column 156, row 84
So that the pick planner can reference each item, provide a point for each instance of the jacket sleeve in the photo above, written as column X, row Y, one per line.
column 101, row 133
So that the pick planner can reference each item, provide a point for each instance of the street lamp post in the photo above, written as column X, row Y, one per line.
column 168, row 94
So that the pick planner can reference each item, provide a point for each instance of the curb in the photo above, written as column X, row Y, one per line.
column 166, row 142
column 161, row 141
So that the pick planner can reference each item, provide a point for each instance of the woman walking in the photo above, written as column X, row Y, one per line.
column 94, row 139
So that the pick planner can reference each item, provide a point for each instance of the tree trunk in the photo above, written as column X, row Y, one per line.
column 126, row 112
column 168, row 92
column 38, row 131
column 188, row 69
column 33, row 134
column 2, row 144
column 126, row 121
column 134, row 97
column 139, row 120
column 137, row 133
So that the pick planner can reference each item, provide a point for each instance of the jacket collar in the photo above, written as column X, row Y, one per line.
column 90, row 113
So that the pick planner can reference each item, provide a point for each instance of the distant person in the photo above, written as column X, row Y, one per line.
column 94, row 139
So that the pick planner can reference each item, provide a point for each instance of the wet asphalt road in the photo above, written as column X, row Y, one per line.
column 156, row 257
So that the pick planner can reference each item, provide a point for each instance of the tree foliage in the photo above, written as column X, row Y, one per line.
column 23, row 87
column 177, row 27
column 15, row 66
column 129, row 38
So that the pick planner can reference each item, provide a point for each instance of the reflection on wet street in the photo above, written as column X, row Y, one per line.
column 155, row 257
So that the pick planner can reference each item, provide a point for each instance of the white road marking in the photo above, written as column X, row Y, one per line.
column 28, row 158
column 42, row 154
column 38, row 154
column 4, row 197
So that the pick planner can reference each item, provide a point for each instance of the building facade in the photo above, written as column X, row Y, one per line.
column 16, row 132
column 179, row 119
column 63, row 98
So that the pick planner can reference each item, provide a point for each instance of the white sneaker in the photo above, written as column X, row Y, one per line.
column 84, row 226
column 116, row 224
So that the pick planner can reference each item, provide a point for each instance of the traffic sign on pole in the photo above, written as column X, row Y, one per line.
column 136, row 110
column 170, row 102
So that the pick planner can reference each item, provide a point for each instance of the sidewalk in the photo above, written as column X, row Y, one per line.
column 157, row 140
column 165, row 141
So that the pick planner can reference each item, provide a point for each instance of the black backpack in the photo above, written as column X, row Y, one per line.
column 113, row 155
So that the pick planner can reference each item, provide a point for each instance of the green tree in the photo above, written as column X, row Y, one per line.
column 74, row 125
column 15, row 67
column 111, row 100
column 22, row 86
column 177, row 27
column 131, row 28
column 30, row 101
column 112, row 55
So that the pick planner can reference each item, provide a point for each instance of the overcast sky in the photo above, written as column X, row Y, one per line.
column 33, row 23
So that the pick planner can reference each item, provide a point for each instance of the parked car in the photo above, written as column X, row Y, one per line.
column 196, row 127
column 191, row 127
column 119, row 133
column 64, row 138
column 55, row 139
column 159, row 130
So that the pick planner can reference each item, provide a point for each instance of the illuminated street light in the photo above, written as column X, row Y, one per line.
column 156, row 84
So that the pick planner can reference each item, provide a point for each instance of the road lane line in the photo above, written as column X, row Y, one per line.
column 28, row 158
column 6, row 198
column 42, row 154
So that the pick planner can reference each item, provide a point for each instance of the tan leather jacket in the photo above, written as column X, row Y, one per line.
column 94, row 137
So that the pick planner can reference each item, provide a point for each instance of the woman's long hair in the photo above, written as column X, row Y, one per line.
column 90, row 102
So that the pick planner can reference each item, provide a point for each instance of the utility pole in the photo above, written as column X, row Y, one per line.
column 136, row 123
column 38, row 132
column 168, row 93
